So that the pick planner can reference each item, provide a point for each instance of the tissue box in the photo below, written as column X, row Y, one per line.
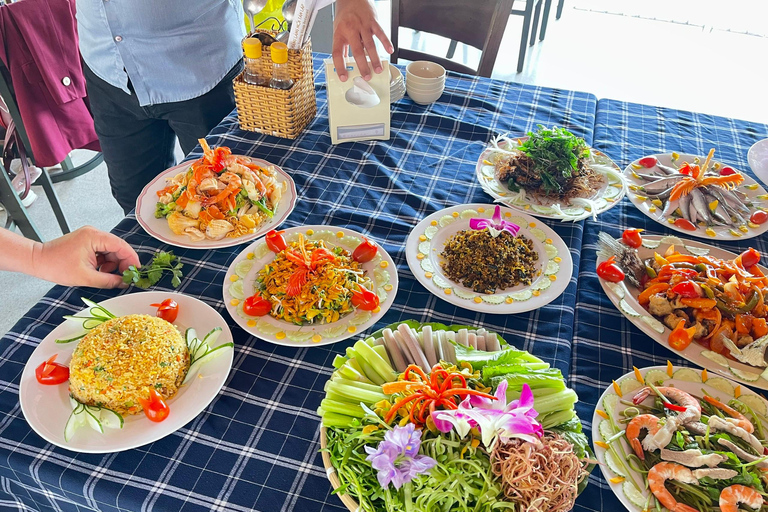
column 358, row 110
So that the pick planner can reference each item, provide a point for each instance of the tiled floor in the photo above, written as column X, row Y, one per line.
column 699, row 55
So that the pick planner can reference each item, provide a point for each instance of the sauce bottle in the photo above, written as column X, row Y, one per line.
column 252, row 75
column 281, row 79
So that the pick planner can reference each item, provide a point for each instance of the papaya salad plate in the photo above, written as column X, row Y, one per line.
column 698, row 196
column 219, row 200
column 310, row 285
column 550, row 173
column 426, row 416
column 681, row 439
column 703, row 303
column 126, row 372
column 490, row 259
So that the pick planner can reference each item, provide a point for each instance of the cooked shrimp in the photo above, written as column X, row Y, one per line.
column 641, row 422
column 231, row 178
column 663, row 471
column 692, row 406
column 736, row 417
column 731, row 496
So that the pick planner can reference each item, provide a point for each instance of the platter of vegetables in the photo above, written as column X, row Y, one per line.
column 698, row 196
column 683, row 440
column 705, row 303
column 435, row 417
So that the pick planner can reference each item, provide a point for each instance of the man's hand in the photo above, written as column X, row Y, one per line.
column 353, row 29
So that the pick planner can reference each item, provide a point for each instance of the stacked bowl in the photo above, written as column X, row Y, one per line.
column 425, row 81
column 396, row 84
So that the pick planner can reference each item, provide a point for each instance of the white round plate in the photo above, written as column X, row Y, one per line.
column 158, row 228
column 627, row 382
column 749, row 187
column 47, row 408
column 241, row 276
column 758, row 159
column 624, row 297
column 426, row 242
column 604, row 198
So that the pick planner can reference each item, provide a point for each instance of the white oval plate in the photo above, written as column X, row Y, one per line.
column 645, row 321
column 758, row 159
column 426, row 242
column 688, row 386
column 47, row 408
column 158, row 228
column 604, row 198
column 749, row 187
column 243, row 270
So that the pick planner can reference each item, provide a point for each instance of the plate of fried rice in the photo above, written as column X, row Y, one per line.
column 489, row 258
column 314, row 291
column 115, row 364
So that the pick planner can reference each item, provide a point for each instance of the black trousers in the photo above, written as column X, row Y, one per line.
column 137, row 142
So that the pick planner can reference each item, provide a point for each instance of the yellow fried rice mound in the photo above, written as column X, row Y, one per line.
column 120, row 360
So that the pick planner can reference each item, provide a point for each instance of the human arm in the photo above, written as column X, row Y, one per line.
column 354, row 26
column 85, row 257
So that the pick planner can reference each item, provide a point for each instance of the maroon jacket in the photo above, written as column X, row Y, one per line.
column 39, row 47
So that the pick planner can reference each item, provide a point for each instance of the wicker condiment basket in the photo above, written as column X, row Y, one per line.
column 351, row 504
column 283, row 113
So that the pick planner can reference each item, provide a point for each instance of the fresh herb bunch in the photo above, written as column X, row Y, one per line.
column 556, row 155
column 148, row 275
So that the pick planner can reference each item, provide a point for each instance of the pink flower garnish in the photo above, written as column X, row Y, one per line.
column 495, row 225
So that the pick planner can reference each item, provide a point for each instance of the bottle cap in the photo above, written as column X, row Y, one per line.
column 279, row 53
column 252, row 47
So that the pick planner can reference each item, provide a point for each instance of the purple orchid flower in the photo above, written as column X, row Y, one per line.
column 397, row 458
column 496, row 419
column 495, row 225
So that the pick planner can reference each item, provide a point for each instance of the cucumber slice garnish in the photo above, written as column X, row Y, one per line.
column 627, row 309
column 612, row 464
column 655, row 324
column 617, row 288
column 74, row 422
column 110, row 419
column 656, row 377
column 755, row 403
column 717, row 358
column 606, row 430
column 747, row 376
column 92, row 418
column 609, row 403
column 212, row 336
column 720, row 384
column 687, row 374
column 628, row 385
column 633, row 495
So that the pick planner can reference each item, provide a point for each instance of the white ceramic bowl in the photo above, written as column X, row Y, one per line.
column 424, row 99
column 424, row 89
column 424, row 70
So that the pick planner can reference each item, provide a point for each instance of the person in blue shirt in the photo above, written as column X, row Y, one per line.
column 156, row 71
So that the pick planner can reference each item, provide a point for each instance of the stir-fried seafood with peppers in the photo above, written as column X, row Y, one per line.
column 718, row 303
column 219, row 195
column 695, row 452
column 308, row 283
column 696, row 195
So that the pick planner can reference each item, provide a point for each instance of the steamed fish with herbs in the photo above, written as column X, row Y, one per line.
column 220, row 195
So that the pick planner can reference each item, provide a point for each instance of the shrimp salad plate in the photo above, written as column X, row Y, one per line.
column 310, row 285
column 219, row 200
column 681, row 439
column 490, row 259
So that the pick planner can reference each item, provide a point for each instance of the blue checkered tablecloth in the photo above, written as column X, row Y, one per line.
column 255, row 447
column 605, row 344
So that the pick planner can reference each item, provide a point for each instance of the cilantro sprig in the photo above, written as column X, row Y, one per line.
column 555, row 154
column 148, row 275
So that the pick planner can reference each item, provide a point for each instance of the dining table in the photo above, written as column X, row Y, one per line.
column 256, row 446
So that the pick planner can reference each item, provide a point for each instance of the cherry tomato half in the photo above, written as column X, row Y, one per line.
column 750, row 257
column 632, row 237
column 687, row 289
column 365, row 251
column 50, row 373
column 685, row 224
column 610, row 271
column 727, row 171
column 155, row 407
column 275, row 241
column 365, row 299
column 168, row 310
column 759, row 217
column 648, row 162
column 255, row 305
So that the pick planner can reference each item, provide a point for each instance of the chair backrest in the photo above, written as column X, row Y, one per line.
column 477, row 23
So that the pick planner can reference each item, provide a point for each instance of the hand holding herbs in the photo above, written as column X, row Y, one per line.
column 149, row 275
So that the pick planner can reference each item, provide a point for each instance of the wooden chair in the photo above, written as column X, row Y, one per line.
column 480, row 24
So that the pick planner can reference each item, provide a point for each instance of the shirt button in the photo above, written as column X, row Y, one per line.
column 118, row 38
column 66, row 81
